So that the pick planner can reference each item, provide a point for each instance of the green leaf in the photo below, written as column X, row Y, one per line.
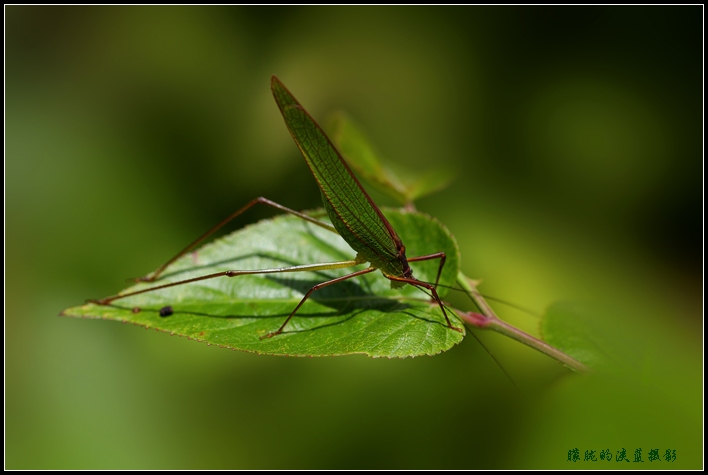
column 591, row 334
column 362, row 315
column 355, row 147
column 351, row 142
column 428, row 183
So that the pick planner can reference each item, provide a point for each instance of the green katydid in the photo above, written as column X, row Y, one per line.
column 353, row 214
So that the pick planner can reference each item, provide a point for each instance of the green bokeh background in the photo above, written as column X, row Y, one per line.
column 575, row 135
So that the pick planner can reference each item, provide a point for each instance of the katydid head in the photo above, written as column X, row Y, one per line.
column 404, row 269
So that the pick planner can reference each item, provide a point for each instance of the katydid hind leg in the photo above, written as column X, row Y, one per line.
column 260, row 200
column 236, row 273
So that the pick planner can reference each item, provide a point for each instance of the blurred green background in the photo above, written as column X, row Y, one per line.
column 575, row 135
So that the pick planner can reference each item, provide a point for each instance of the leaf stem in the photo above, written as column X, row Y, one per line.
column 488, row 320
